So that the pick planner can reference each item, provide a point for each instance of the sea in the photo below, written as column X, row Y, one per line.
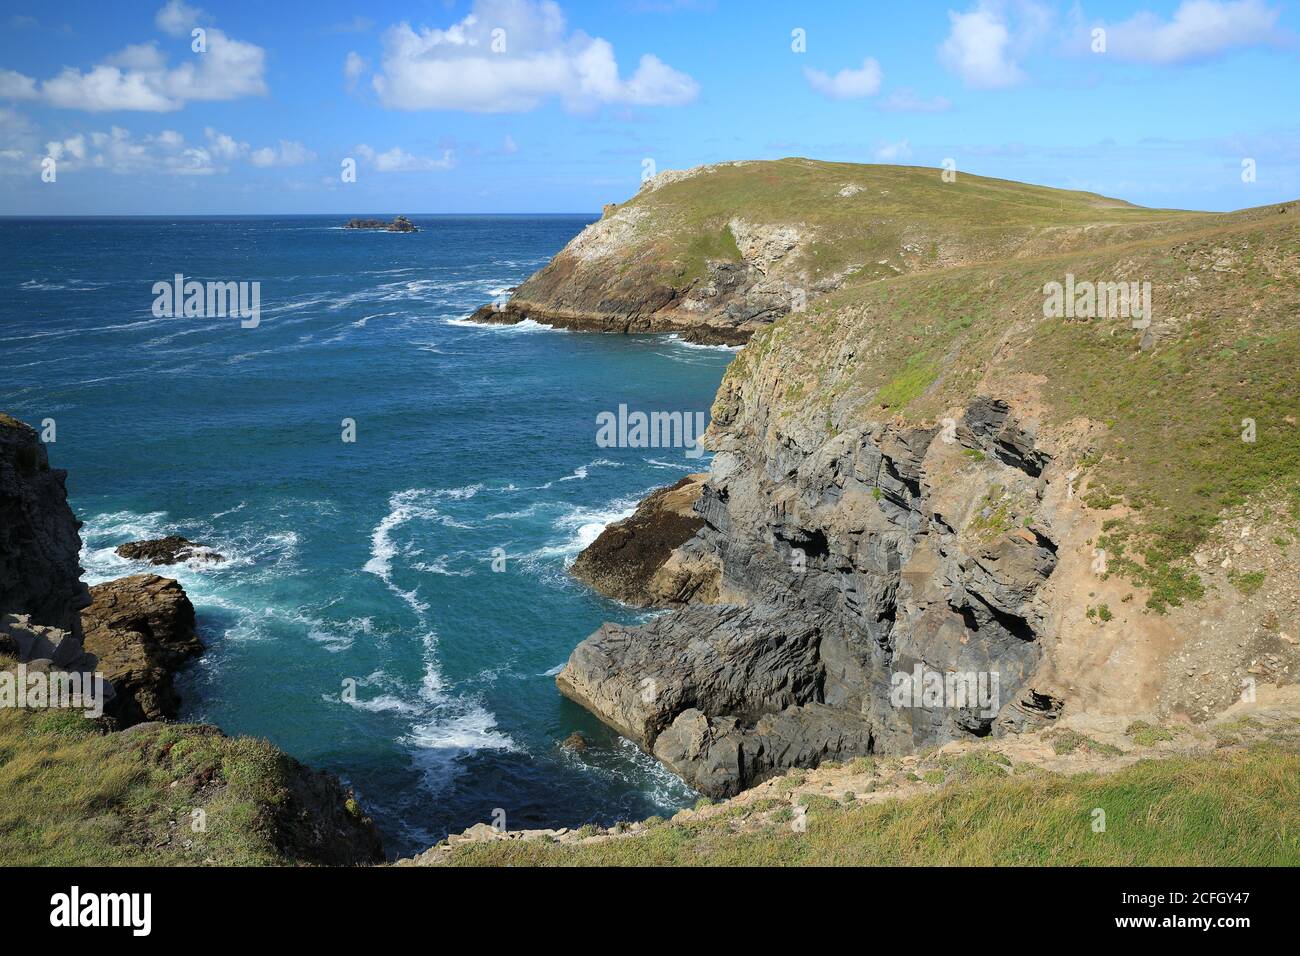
column 397, row 491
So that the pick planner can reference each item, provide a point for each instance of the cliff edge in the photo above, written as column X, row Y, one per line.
column 940, row 510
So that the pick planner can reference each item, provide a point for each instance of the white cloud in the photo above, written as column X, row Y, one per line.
column 397, row 160
column 137, row 77
column 15, row 86
column 847, row 84
column 353, row 66
column 1199, row 29
column 512, row 55
column 17, row 140
column 229, row 149
column 893, row 152
column 288, row 153
column 986, row 44
column 508, row 145
column 176, row 19
column 905, row 100
column 117, row 150
column 978, row 48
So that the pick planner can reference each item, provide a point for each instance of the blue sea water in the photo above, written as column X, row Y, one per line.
column 367, row 562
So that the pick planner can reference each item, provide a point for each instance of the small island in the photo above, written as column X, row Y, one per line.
column 399, row 224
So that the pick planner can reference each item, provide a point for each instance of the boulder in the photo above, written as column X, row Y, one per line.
column 576, row 742
column 141, row 628
column 172, row 549
column 623, row 561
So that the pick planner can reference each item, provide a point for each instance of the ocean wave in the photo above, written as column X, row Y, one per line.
column 583, row 525
column 675, row 465
column 676, row 339
column 526, row 325
column 413, row 504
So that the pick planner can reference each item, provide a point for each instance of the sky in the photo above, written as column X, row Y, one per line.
column 529, row 106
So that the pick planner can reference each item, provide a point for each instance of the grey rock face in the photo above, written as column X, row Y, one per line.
column 846, row 578
column 49, row 649
column 39, row 545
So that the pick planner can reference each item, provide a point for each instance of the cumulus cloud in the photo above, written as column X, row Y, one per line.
column 118, row 150
column 985, row 44
column 1198, row 30
column 847, row 84
column 287, row 153
column 138, row 77
column 177, row 18
column 511, row 56
column 15, row 86
column 397, row 160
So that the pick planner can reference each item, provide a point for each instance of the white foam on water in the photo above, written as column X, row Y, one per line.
column 584, row 471
column 676, row 339
column 582, row 525
column 439, row 566
column 413, row 504
column 525, row 325
column 677, row 466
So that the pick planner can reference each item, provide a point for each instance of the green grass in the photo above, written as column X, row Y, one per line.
column 1170, row 449
column 1066, row 741
column 1148, row 735
column 72, row 795
column 1248, row 583
column 1239, row 809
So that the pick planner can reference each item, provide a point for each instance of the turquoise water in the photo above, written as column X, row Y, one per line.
column 369, row 561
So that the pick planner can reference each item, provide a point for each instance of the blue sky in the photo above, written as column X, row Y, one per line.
column 534, row 106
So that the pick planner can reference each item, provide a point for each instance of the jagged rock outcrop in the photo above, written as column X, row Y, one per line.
column 172, row 549
column 620, row 274
column 843, row 575
column 627, row 561
column 399, row 224
column 39, row 545
column 142, row 629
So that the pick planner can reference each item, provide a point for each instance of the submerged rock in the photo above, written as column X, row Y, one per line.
column 576, row 742
column 172, row 549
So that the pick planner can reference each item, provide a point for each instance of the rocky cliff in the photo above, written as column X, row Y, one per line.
column 39, row 544
column 937, row 513
column 718, row 253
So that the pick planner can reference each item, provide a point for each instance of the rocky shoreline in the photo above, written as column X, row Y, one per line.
column 136, row 633
column 837, row 557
